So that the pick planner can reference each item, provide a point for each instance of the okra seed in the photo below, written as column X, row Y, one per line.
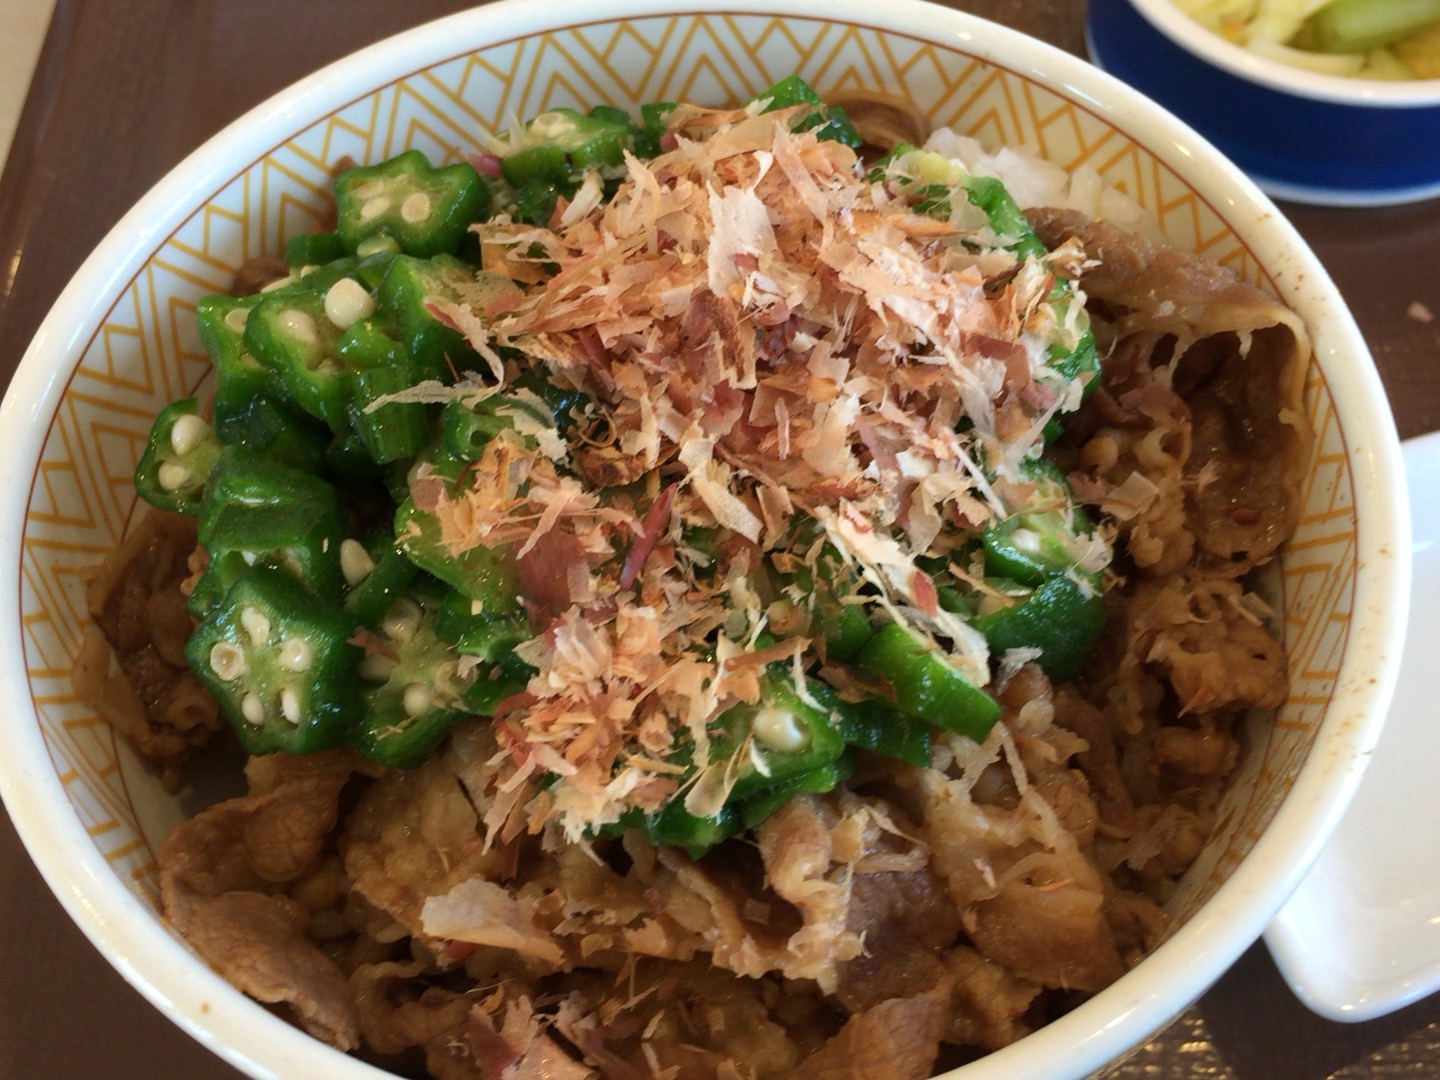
column 299, row 326
column 417, row 699
column 551, row 127
column 236, row 318
column 777, row 729
column 290, row 704
column 279, row 283
column 375, row 245
column 347, row 302
column 402, row 620
column 369, row 189
column 256, row 624
column 188, row 432
column 373, row 208
column 252, row 709
column 1027, row 540
column 296, row 655
column 173, row 476
column 415, row 208
column 355, row 562
column 376, row 668
column 227, row 660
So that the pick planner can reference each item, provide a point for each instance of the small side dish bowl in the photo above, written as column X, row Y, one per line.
column 1301, row 135
column 120, row 343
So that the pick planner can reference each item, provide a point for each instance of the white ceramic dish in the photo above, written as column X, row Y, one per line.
column 1361, row 935
column 1302, row 135
column 119, row 344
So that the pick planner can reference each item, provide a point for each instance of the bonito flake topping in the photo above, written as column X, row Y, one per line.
column 783, row 358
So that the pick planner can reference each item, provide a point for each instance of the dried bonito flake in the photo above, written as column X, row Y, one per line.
column 771, row 339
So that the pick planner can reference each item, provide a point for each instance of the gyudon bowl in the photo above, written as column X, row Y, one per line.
column 121, row 344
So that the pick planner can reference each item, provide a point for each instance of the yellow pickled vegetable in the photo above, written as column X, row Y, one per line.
column 1364, row 39
column 1420, row 52
column 1346, row 26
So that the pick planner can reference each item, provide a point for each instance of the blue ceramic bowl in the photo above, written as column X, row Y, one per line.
column 1302, row 136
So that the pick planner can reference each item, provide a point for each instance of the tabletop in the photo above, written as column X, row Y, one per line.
column 125, row 88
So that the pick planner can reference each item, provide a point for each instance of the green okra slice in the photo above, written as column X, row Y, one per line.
column 178, row 458
column 389, row 430
column 290, row 334
column 654, row 124
column 467, row 425
column 415, row 684
column 674, row 826
column 926, row 685
column 780, row 736
column 754, row 810
column 425, row 210
column 487, row 576
column 827, row 121
column 533, row 202
column 473, row 631
column 377, row 573
column 568, row 406
column 249, row 406
column 314, row 249
column 562, row 144
column 409, row 296
column 259, row 511
column 280, row 663
column 875, row 726
column 1061, row 618
column 305, row 337
column 1055, row 537
column 220, row 322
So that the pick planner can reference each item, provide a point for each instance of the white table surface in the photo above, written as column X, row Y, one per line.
column 22, row 29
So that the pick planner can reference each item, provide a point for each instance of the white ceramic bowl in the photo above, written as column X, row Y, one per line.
column 1304, row 136
column 119, row 345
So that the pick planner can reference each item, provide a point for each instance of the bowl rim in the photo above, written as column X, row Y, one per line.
column 1185, row 32
column 251, row 1038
